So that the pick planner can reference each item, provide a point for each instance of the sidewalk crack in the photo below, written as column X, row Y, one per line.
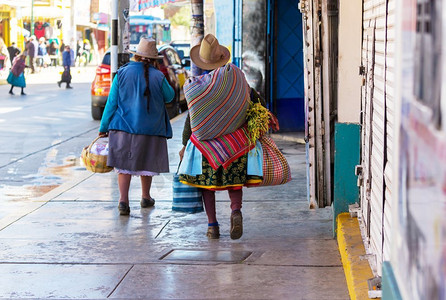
column 164, row 226
column 120, row 281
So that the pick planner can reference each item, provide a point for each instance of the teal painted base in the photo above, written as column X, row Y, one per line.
column 346, row 158
column 389, row 285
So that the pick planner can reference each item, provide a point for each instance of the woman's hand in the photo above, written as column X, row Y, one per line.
column 181, row 153
column 103, row 134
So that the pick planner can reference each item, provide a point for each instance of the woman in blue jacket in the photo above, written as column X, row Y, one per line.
column 66, row 62
column 136, row 121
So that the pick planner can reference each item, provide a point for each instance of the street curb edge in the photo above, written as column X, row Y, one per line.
column 357, row 270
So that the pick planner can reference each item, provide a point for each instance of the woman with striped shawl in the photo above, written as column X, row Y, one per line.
column 215, row 138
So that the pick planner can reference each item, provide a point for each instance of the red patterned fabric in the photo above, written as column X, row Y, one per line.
column 224, row 150
column 276, row 170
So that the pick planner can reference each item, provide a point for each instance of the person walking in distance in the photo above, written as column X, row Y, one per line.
column 136, row 120
column 31, row 50
column 16, row 76
column 66, row 62
column 13, row 52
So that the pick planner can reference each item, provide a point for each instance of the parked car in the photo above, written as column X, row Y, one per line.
column 171, row 67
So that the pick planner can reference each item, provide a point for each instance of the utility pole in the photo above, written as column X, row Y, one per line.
column 197, row 32
column 119, row 34
column 123, row 22
column 32, row 17
column 114, row 38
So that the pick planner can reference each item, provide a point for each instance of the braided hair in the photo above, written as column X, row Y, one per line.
column 147, row 63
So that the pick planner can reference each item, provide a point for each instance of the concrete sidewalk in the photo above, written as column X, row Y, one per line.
column 72, row 243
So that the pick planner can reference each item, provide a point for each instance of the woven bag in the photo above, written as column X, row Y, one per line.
column 94, row 162
column 276, row 170
column 186, row 198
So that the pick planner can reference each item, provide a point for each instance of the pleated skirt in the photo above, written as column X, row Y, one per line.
column 135, row 153
column 16, row 81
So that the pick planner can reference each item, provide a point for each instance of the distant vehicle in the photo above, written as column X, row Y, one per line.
column 171, row 67
column 100, row 87
column 148, row 27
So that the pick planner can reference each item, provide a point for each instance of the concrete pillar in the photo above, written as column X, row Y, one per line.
column 347, row 128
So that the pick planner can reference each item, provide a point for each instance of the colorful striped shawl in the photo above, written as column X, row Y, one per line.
column 217, row 102
column 224, row 150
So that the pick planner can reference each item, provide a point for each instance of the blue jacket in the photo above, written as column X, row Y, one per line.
column 126, row 108
column 66, row 59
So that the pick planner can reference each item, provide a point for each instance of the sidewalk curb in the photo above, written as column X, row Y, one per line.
column 357, row 270
column 37, row 203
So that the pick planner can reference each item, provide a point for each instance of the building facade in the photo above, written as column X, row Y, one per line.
column 388, row 147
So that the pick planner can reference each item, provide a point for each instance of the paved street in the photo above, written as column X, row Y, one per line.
column 71, row 243
column 41, row 134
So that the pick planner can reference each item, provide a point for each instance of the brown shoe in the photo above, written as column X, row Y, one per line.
column 236, row 225
column 213, row 232
column 147, row 202
column 124, row 208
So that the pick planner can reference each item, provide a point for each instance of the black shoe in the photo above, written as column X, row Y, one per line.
column 69, row 87
column 236, row 225
column 59, row 83
column 23, row 94
column 124, row 209
column 147, row 202
column 11, row 93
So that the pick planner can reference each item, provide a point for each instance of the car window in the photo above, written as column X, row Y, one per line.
column 106, row 59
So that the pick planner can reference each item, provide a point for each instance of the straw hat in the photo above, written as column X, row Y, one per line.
column 209, row 55
column 147, row 48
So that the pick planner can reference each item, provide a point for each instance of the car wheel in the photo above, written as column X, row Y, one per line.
column 96, row 112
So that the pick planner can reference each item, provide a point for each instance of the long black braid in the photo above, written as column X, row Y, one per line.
column 146, row 75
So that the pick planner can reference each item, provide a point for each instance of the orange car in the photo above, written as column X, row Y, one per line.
column 170, row 65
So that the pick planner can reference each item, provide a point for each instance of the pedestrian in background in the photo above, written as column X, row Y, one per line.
column 5, row 62
column 31, row 51
column 62, row 46
column 136, row 120
column 16, row 75
column 66, row 62
column 41, row 53
column 52, row 52
column 13, row 52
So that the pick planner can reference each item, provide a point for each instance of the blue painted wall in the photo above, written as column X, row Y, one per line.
column 289, row 65
column 390, row 290
column 224, row 23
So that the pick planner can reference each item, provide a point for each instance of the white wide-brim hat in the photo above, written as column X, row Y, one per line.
column 147, row 48
column 209, row 54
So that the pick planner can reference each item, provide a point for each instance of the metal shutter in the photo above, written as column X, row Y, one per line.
column 377, row 125
column 366, row 115
column 390, row 124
